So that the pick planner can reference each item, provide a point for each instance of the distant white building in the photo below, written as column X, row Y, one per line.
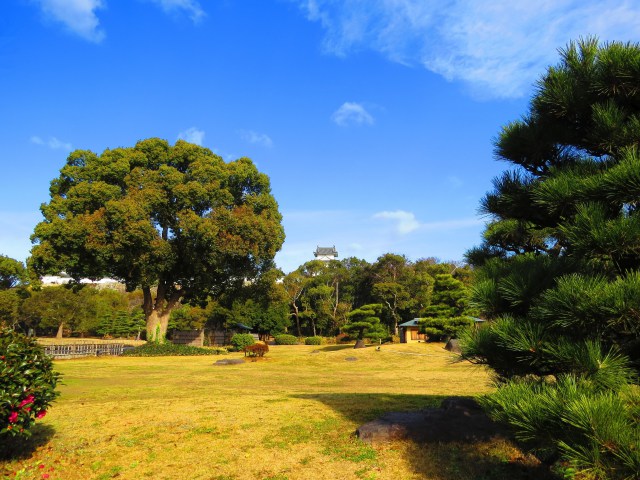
column 64, row 279
column 326, row 253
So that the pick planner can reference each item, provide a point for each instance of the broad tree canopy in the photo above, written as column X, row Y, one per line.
column 177, row 218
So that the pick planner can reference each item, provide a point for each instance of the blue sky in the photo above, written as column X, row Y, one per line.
column 374, row 119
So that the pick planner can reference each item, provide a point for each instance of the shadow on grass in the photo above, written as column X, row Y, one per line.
column 479, row 459
column 335, row 348
column 18, row 448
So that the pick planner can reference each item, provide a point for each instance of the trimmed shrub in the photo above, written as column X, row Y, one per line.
column 285, row 339
column 242, row 340
column 313, row 341
column 256, row 350
column 27, row 383
column 343, row 338
column 168, row 349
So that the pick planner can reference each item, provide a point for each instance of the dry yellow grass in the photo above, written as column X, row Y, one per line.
column 290, row 416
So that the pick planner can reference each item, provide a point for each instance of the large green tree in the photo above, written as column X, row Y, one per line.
column 559, row 272
column 176, row 221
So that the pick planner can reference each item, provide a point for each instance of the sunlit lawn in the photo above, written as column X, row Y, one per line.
column 290, row 416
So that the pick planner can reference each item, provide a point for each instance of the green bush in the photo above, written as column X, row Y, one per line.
column 313, row 341
column 256, row 350
column 242, row 340
column 27, row 383
column 285, row 339
column 168, row 349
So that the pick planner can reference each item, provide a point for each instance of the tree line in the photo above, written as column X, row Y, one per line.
column 313, row 300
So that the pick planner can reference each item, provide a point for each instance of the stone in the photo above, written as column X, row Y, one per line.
column 351, row 359
column 453, row 346
column 230, row 361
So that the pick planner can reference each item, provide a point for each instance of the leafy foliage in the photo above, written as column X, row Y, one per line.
column 242, row 340
column 439, row 328
column 168, row 349
column 363, row 323
column 560, row 263
column 12, row 273
column 286, row 339
column 27, row 383
column 175, row 217
column 313, row 341
column 256, row 350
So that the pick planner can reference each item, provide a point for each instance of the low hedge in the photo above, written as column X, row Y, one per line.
column 285, row 339
column 313, row 341
column 171, row 350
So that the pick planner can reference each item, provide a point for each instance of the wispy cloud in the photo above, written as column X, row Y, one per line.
column 53, row 143
column 78, row 16
column 366, row 235
column 497, row 47
column 192, row 135
column 351, row 113
column 405, row 221
column 256, row 138
column 191, row 7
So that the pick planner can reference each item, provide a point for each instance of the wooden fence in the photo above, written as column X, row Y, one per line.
column 194, row 338
column 84, row 350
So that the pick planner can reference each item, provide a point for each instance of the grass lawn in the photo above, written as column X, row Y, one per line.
column 289, row 416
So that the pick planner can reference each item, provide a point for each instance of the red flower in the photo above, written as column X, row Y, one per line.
column 45, row 475
column 41, row 466
column 41, row 413
column 27, row 401
column 13, row 418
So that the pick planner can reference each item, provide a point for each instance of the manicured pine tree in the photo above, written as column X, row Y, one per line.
column 559, row 268
column 364, row 322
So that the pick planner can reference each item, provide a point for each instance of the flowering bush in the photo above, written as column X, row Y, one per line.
column 27, row 383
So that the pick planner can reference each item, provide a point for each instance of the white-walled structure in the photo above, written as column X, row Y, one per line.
column 326, row 253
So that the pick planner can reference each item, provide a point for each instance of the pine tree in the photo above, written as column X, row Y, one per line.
column 560, row 265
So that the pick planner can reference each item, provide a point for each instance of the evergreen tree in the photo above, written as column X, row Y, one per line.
column 447, row 315
column 364, row 322
column 560, row 265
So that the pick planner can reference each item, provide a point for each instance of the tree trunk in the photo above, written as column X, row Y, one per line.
column 157, row 323
column 298, row 323
column 60, row 330
column 359, row 344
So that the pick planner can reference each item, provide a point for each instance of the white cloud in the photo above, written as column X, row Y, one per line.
column 405, row 221
column 192, row 135
column 190, row 7
column 363, row 235
column 351, row 113
column 79, row 16
column 497, row 47
column 256, row 138
column 53, row 143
